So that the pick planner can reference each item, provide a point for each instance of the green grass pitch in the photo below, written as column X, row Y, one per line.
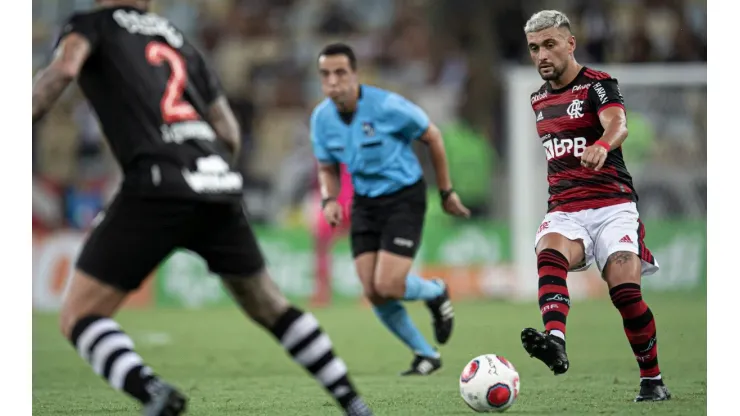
column 228, row 366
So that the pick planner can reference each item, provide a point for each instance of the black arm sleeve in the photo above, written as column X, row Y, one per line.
column 605, row 93
column 209, row 83
column 85, row 24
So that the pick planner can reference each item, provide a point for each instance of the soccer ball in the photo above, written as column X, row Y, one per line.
column 489, row 383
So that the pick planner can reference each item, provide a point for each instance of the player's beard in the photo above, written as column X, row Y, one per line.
column 343, row 102
column 340, row 102
column 555, row 74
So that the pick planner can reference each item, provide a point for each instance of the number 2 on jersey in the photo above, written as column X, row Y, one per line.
column 174, row 109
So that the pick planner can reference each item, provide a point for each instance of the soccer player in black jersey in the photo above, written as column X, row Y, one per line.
column 592, row 213
column 166, row 119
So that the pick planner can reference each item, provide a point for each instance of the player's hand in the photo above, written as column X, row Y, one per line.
column 333, row 213
column 594, row 157
column 453, row 206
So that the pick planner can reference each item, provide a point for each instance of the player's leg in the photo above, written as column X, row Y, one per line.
column 366, row 241
column 389, row 310
column 323, row 239
column 121, row 251
column 299, row 333
column 561, row 245
column 390, row 276
column 365, row 268
column 228, row 245
column 400, row 240
column 623, row 258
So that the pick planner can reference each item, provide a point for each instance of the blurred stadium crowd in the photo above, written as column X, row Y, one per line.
column 447, row 55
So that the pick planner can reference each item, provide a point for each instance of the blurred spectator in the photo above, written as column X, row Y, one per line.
column 447, row 55
column 336, row 21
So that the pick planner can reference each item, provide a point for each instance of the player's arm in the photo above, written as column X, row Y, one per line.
column 607, row 101
column 223, row 121
column 413, row 123
column 614, row 122
column 328, row 175
column 219, row 113
column 432, row 137
column 451, row 203
column 329, row 185
column 66, row 65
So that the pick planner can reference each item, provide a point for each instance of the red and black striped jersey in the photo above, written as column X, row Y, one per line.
column 568, row 122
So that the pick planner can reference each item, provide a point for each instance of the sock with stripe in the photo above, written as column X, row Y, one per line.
column 418, row 288
column 302, row 337
column 395, row 317
column 552, row 267
column 639, row 326
column 101, row 342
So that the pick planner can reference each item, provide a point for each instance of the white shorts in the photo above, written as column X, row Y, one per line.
column 604, row 231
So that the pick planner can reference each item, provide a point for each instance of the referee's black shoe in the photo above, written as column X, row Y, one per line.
column 443, row 315
column 423, row 366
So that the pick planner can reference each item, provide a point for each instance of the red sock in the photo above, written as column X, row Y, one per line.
column 552, row 267
column 639, row 325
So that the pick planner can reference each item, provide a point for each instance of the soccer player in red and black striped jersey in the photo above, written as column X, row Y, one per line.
column 592, row 212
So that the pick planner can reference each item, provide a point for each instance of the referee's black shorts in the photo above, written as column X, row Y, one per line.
column 137, row 233
column 392, row 223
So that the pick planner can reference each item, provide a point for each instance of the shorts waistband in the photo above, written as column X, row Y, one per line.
column 417, row 186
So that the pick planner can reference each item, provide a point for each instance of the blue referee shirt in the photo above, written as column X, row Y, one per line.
column 376, row 145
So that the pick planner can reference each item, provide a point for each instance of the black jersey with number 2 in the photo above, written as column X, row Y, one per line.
column 151, row 90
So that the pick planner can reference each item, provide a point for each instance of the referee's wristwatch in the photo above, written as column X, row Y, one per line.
column 326, row 200
column 445, row 193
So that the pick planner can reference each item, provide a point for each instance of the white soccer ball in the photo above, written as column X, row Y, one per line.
column 489, row 383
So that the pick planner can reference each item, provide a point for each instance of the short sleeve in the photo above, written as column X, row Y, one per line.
column 604, row 94
column 405, row 117
column 212, row 88
column 319, row 146
column 85, row 25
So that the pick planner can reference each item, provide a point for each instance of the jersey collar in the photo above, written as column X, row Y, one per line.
column 348, row 117
column 567, row 87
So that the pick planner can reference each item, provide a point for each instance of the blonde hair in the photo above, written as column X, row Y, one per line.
column 546, row 19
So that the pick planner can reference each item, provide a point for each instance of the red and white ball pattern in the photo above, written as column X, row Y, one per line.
column 489, row 383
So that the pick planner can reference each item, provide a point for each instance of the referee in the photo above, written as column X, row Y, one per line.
column 371, row 131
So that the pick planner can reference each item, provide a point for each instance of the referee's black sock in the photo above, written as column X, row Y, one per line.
column 301, row 336
column 110, row 352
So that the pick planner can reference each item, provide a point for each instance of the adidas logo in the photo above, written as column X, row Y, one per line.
column 446, row 310
column 425, row 367
column 540, row 117
column 626, row 239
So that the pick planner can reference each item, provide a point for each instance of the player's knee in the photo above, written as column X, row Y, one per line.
column 372, row 295
column 622, row 267
column 390, row 288
column 554, row 243
column 622, row 257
